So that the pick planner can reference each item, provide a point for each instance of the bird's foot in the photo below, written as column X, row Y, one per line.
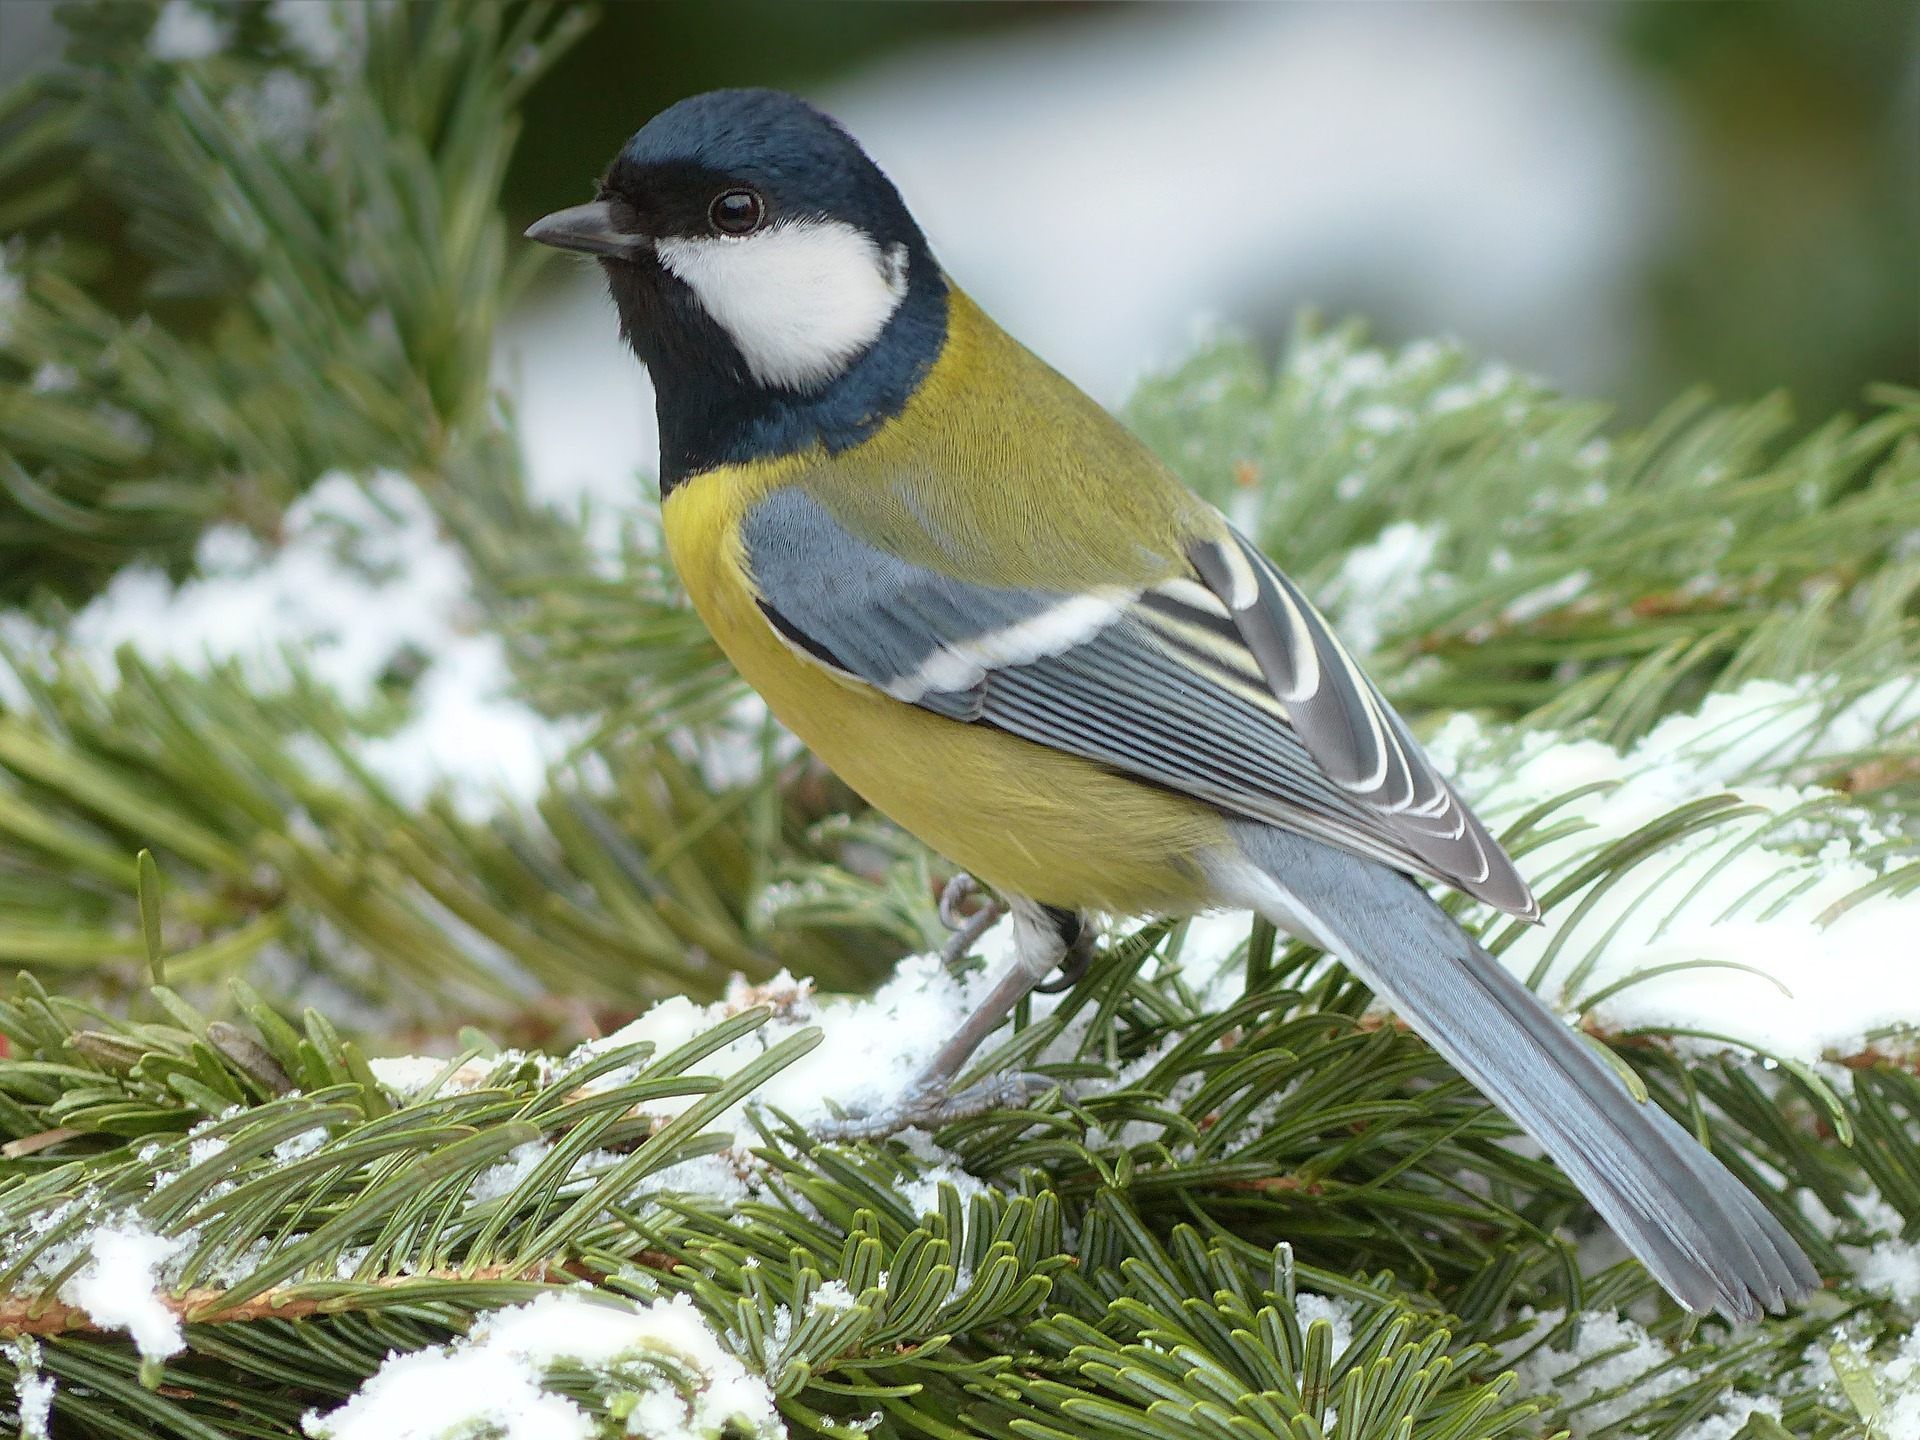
column 967, row 929
column 929, row 1106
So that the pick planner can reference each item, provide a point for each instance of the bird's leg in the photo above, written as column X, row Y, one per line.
column 1043, row 938
column 1076, row 938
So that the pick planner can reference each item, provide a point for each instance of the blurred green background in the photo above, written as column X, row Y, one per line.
column 1797, row 261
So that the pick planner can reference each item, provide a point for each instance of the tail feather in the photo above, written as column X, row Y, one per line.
column 1702, row 1234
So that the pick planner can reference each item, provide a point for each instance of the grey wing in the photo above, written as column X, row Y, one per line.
column 1347, row 725
column 1158, row 682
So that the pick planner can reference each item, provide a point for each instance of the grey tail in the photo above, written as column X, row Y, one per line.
column 1701, row 1233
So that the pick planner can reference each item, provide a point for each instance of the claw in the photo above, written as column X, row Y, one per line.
column 955, row 894
column 928, row 1107
column 967, row 929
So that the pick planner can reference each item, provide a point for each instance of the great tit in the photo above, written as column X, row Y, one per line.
column 1010, row 627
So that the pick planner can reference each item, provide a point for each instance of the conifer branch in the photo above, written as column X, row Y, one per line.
column 210, row 1305
column 1254, row 1202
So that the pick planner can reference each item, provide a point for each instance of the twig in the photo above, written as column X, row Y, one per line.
column 1274, row 1185
column 35, row 1143
column 1881, row 774
column 206, row 1305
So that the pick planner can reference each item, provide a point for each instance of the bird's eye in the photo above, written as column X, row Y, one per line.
column 737, row 212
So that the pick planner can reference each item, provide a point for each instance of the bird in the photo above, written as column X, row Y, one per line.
column 1014, row 630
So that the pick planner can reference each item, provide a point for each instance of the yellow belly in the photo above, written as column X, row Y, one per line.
column 1025, row 819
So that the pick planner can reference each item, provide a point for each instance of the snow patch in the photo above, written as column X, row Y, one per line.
column 1309, row 1308
column 1378, row 583
column 663, row 1362
column 281, row 109
column 322, row 32
column 13, row 290
column 1887, row 1263
column 922, row 1193
column 184, row 31
column 1901, row 1416
column 1546, row 598
column 1779, row 889
column 1610, row 1368
column 870, row 1052
column 118, row 1288
column 299, row 1146
column 362, row 587
column 407, row 1077
column 500, row 1180
column 32, row 1390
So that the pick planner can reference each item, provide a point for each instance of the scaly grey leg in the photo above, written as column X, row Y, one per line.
column 1039, row 946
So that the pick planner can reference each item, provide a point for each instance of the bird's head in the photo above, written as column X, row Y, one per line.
column 752, row 246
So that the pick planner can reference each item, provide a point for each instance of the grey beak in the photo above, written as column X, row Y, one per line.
column 588, row 228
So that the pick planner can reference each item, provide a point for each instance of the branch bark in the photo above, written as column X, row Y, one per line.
column 205, row 1305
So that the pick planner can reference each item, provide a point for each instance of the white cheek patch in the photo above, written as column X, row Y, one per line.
column 800, row 300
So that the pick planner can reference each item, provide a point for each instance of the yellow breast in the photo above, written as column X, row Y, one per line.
column 1024, row 819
